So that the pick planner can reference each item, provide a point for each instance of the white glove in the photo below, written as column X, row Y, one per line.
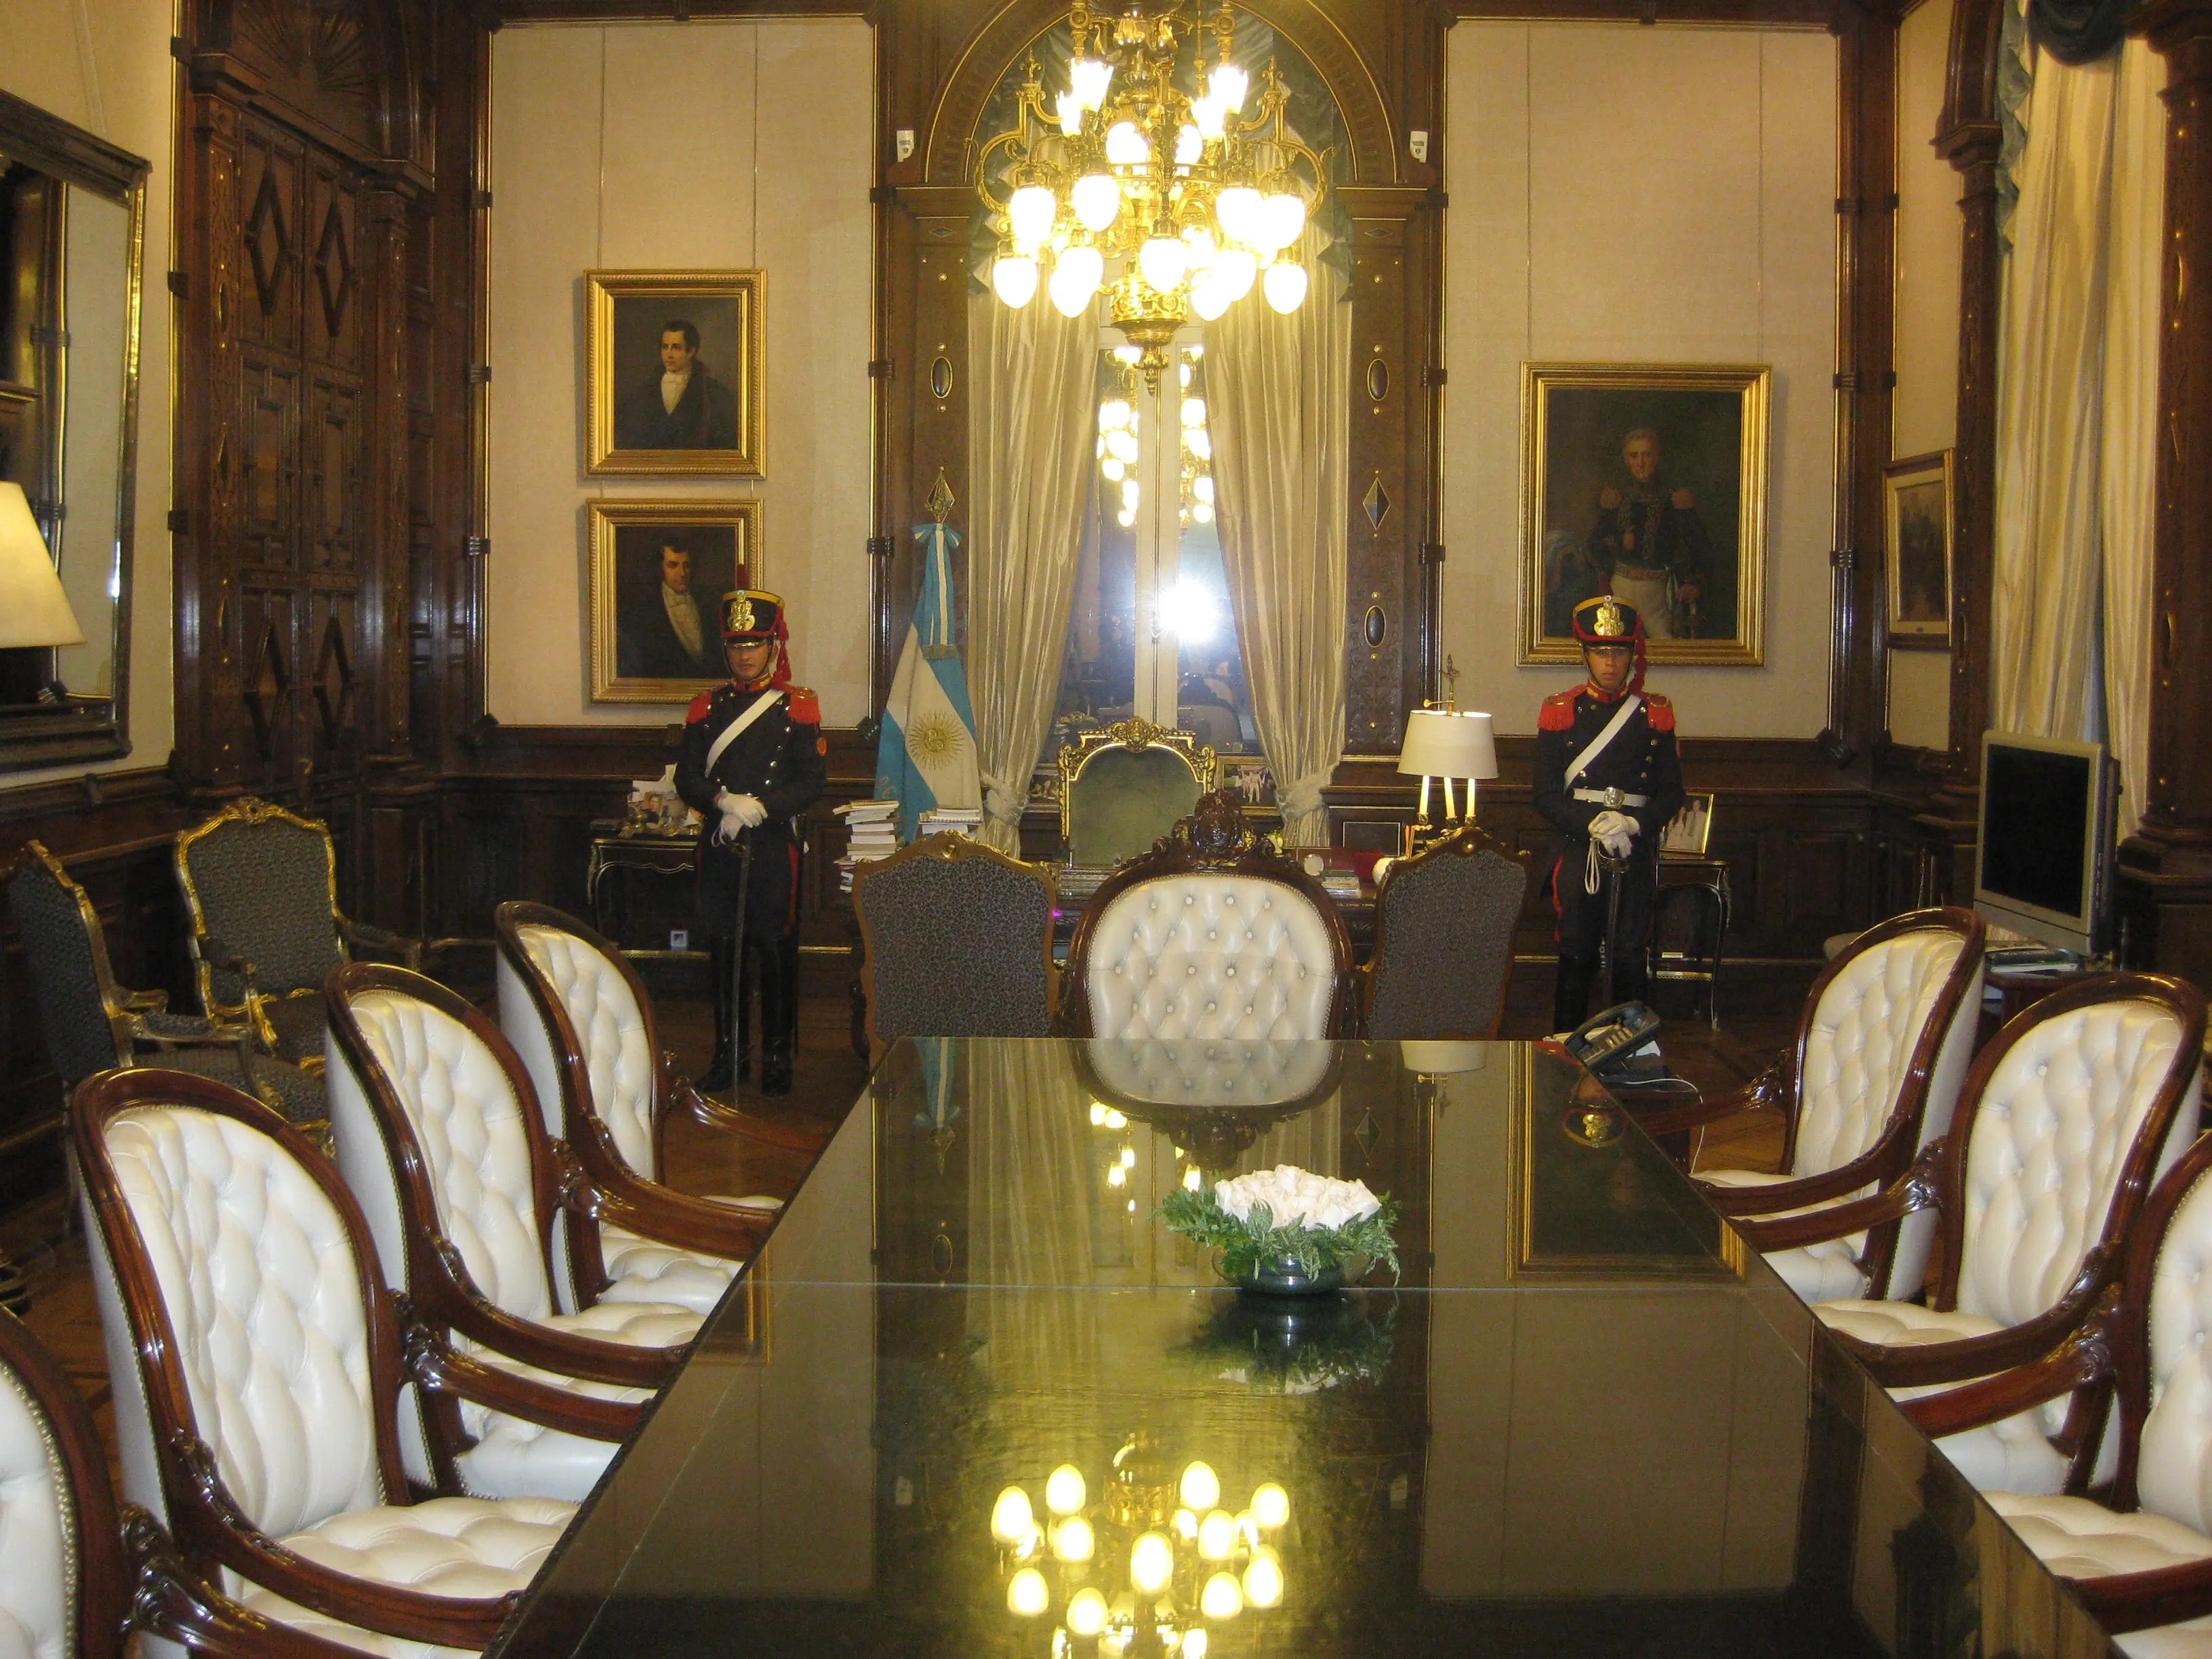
column 1615, row 832
column 739, row 812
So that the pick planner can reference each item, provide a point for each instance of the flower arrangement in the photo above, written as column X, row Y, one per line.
column 1286, row 1214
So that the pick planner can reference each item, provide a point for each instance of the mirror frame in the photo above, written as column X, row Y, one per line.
column 89, row 727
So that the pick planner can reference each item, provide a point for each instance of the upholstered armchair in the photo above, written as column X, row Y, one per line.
column 2067, row 1117
column 441, row 1138
column 1211, row 935
column 256, row 1361
column 1443, row 939
column 582, row 1022
column 1124, row 786
column 956, row 940
column 93, row 1024
column 261, row 886
column 1873, row 1077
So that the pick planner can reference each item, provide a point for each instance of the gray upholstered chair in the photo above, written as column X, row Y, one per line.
column 261, row 886
column 956, row 940
column 1443, row 939
column 93, row 1024
column 1125, row 786
column 256, row 1361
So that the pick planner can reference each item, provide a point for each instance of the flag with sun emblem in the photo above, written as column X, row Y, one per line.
column 927, row 755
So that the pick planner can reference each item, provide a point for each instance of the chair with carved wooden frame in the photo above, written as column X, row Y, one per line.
column 2068, row 1117
column 80, row 1574
column 261, row 884
column 93, row 1024
column 1445, row 920
column 1287, row 978
column 2140, row 1554
column 1124, row 786
column 956, row 940
column 1881, row 1050
column 582, row 1022
column 256, row 1406
column 442, row 1140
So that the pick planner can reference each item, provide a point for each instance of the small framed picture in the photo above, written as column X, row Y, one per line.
column 673, row 372
column 1916, row 549
column 658, row 572
column 1686, row 833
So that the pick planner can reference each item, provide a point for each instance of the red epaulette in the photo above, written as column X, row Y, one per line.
column 805, row 708
column 1659, row 712
column 700, row 706
column 1558, row 714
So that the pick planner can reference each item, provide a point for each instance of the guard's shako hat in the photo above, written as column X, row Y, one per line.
column 751, row 614
column 1607, row 621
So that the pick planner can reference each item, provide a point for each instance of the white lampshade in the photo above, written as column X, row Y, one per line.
column 1442, row 743
column 33, row 610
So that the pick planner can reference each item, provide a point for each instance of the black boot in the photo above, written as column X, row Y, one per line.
column 777, row 964
column 1571, row 992
column 721, row 954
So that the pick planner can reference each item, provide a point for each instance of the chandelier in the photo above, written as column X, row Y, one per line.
column 1177, row 206
column 1154, row 1565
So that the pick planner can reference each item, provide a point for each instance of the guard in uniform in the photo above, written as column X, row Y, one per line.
column 753, row 759
column 1609, row 780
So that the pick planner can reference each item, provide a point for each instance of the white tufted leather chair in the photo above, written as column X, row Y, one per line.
column 1179, row 944
column 440, row 1138
column 583, row 1024
column 1873, row 1076
column 255, row 1361
column 1219, row 1073
column 2067, row 1117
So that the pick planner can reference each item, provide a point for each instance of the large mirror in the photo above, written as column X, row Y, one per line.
column 72, row 231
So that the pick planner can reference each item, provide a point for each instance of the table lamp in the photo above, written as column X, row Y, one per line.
column 33, row 610
column 1444, row 743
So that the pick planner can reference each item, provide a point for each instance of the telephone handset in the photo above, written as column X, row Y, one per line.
column 1609, row 1042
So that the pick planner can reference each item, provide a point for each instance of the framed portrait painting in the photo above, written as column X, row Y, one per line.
column 1647, row 481
column 1915, row 498
column 673, row 368
column 658, row 572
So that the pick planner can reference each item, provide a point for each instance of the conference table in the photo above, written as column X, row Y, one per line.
column 973, row 1398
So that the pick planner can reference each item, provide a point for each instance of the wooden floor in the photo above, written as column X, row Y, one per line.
column 40, row 1235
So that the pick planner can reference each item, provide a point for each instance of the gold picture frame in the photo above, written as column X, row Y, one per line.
column 714, row 430
column 1704, row 432
column 638, row 654
column 1917, row 543
column 1689, row 831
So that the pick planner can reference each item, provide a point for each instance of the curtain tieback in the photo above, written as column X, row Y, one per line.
column 1305, row 795
column 1003, row 802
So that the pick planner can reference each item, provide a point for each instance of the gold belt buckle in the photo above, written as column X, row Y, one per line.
column 1612, row 797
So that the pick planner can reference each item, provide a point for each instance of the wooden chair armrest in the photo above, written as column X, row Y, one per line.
column 678, row 1093
column 1769, row 1091
column 368, row 934
column 1915, row 1189
column 2085, row 1357
column 170, row 1600
column 1918, row 1364
column 2124, row 1601
column 1770, row 1197
column 436, row 1366
column 459, row 1309
column 668, row 1217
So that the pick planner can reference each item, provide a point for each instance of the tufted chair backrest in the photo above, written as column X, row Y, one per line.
column 1859, row 1046
column 957, row 942
column 1210, row 953
column 67, row 975
column 1444, row 928
column 2173, row 1468
column 609, row 1027
column 260, row 1294
column 464, row 1116
column 2054, row 1129
column 261, row 883
column 39, row 1532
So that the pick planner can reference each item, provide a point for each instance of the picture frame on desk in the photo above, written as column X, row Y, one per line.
column 1916, row 499
column 1689, row 830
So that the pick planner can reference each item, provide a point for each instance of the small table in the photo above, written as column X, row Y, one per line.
column 646, row 853
column 1704, row 882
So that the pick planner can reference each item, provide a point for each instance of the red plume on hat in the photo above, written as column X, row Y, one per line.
column 1607, row 621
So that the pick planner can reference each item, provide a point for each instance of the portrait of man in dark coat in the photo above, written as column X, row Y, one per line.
column 680, row 406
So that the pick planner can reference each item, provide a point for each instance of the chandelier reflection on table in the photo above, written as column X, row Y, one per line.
column 1176, row 205
column 1155, row 1564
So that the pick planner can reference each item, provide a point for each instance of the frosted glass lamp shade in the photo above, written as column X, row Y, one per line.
column 1442, row 743
column 33, row 610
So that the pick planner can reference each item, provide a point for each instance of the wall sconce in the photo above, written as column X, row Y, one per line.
column 1444, row 743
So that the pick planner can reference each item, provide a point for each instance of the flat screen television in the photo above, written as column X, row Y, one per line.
column 2046, row 840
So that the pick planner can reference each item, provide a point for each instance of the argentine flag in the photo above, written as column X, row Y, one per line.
column 926, row 755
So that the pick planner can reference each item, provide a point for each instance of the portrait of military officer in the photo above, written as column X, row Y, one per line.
column 1648, row 543
column 677, row 403
column 663, row 630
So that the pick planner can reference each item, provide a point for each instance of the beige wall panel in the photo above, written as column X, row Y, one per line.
column 1631, row 194
column 105, row 64
column 1924, row 410
column 700, row 145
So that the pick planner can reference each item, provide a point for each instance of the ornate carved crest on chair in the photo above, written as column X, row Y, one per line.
column 1123, row 786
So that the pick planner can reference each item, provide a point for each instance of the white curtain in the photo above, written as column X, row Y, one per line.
column 1031, row 430
column 2077, row 380
column 1280, row 405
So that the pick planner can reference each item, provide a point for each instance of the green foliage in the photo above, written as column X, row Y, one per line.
column 1246, row 1245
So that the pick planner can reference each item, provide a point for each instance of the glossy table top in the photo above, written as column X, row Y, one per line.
column 1581, row 1423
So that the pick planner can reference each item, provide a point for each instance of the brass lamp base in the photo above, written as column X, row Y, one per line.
column 1421, row 834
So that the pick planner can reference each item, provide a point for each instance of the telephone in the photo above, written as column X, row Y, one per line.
column 1617, row 1044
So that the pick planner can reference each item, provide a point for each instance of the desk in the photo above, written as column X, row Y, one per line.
column 1584, row 1422
column 641, row 854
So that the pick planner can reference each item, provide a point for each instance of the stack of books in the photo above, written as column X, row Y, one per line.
column 962, row 820
column 872, row 828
